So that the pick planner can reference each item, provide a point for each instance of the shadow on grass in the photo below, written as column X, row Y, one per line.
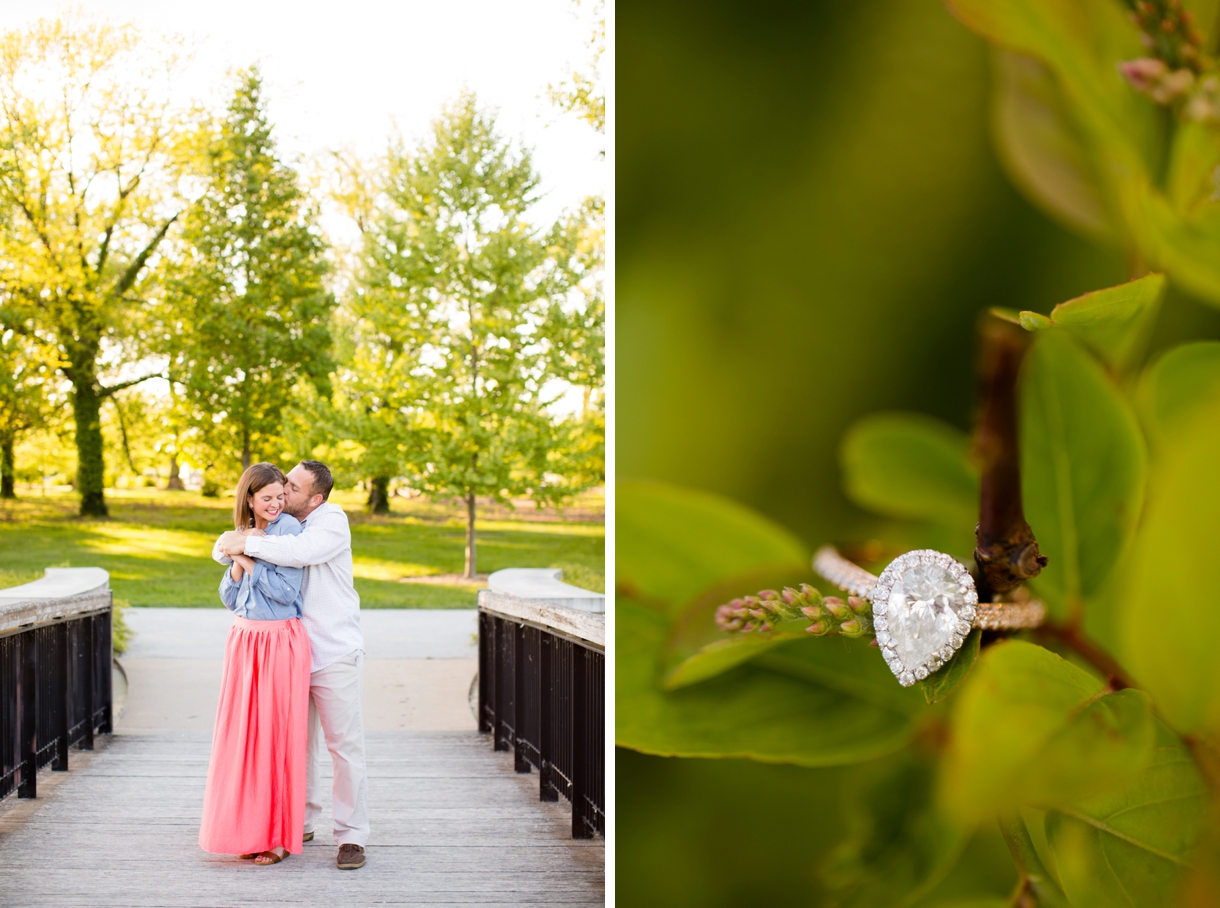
column 157, row 548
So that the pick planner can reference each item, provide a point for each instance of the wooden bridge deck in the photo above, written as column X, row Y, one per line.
column 452, row 824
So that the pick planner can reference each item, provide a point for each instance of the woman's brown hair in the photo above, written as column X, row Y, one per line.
column 256, row 476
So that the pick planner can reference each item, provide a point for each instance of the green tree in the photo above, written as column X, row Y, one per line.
column 91, row 150
column 576, row 332
column 584, row 94
column 141, row 434
column 579, row 332
column 373, row 404
column 367, row 427
column 247, row 311
column 25, row 386
column 459, row 285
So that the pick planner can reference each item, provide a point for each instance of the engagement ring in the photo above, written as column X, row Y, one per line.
column 924, row 605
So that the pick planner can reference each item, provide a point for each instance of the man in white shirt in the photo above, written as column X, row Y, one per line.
column 331, row 615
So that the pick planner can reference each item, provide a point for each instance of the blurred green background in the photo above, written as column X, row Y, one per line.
column 810, row 218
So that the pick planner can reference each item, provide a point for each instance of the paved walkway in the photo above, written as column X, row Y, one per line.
column 418, row 668
column 452, row 823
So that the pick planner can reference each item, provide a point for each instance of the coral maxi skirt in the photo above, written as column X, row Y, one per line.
column 255, row 796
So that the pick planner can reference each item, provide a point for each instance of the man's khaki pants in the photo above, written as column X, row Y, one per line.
column 334, row 713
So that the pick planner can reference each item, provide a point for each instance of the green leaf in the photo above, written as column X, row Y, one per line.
column 1009, row 315
column 1114, row 322
column 945, row 680
column 1193, row 160
column 719, row 656
column 813, row 702
column 1176, row 386
column 1183, row 245
column 1083, row 466
column 671, row 543
column 1031, row 728
column 1132, row 846
column 1080, row 41
column 1040, row 144
column 911, row 466
column 898, row 844
column 1171, row 584
column 1050, row 29
column 1026, row 854
column 851, row 667
column 697, row 650
column 1033, row 321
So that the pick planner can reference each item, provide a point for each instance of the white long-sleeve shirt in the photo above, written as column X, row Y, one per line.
column 331, row 605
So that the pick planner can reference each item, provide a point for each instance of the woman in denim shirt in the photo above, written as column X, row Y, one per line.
column 263, row 591
column 254, row 803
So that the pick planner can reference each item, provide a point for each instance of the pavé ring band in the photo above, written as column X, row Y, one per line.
column 924, row 605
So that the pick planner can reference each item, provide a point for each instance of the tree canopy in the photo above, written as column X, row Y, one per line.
column 91, row 151
column 464, row 301
column 142, row 238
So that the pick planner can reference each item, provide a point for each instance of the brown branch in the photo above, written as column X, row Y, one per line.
column 123, row 284
column 1007, row 552
column 1069, row 635
column 110, row 391
column 118, row 409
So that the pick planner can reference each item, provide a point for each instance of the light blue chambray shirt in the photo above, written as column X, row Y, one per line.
column 269, row 592
column 331, row 609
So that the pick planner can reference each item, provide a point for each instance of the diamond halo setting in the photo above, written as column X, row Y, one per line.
column 924, row 605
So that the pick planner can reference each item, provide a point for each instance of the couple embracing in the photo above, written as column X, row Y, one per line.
column 293, row 673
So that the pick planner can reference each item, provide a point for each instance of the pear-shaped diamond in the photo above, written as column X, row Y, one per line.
column 929, row 595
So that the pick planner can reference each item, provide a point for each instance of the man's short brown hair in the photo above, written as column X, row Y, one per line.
column 323, row 481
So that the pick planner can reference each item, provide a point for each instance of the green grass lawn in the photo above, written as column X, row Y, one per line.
column 157, row 546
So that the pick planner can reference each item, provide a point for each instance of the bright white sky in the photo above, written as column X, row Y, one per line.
column 348, row 73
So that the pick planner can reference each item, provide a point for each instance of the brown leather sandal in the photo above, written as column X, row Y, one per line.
column 274, row 858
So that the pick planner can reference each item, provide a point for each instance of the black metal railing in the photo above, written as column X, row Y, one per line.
column 542, row 695
column 55, row 691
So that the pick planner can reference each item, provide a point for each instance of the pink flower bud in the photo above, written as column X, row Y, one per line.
column 818, row 628
column 837, row 607
column 1144, row 73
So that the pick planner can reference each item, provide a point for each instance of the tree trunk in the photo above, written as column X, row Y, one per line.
column 471, row 559
column 175, row 481
column 8, row 468
column 118, row 409
column 91, row 465
column 246, row 458
column 379, row 495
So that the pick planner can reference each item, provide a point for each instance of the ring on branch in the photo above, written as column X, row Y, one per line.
column 924, row 605
column 921, row 608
